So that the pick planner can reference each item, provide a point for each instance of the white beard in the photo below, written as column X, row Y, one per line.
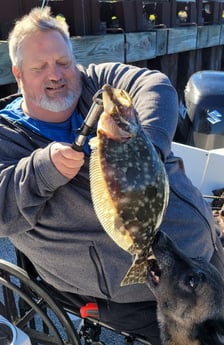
column 58, row 105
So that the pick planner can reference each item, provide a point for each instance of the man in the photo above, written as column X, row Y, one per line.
column 45, row 203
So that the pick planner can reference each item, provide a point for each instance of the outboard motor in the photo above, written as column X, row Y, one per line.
column 201, row 114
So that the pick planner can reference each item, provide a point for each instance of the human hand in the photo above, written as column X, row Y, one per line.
column 66, row 160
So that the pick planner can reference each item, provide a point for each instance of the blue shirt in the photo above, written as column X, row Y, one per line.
column 65, row 131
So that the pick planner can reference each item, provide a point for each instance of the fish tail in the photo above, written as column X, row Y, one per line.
column 136, row 274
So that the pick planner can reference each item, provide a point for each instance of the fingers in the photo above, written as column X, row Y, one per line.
column 66, row 160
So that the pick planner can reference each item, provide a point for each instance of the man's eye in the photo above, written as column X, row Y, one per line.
column 39, row 68
column 64, row 63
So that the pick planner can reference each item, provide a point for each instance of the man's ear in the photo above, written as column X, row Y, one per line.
column 17, row 74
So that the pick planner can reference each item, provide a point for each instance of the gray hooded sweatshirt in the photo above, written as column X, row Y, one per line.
column 51, row 218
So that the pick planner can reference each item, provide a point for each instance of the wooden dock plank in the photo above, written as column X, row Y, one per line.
column 98, row 48
column 181, row 39
column 6, row 76
column 141, row 46
column 131, row 47
column 161, row 42
column 115, row 47
column 221, row 42
column 208, row 36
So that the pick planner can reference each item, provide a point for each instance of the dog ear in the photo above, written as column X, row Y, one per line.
column 211, row 332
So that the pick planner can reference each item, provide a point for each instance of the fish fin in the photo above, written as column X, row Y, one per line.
column 136, row 274
column 104, row 207
column 93, row 143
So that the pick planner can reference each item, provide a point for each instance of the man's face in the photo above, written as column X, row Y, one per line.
column 48, row 78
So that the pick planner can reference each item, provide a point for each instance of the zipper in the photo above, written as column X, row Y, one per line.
column 19, row 129
column 100, row 272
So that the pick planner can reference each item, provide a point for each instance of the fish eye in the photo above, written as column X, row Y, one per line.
column 193, row 280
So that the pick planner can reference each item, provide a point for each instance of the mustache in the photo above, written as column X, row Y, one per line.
column 55, row 83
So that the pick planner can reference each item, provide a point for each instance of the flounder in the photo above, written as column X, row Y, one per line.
column 128, row 181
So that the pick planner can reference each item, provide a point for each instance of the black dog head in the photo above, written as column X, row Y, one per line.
column 190, row 296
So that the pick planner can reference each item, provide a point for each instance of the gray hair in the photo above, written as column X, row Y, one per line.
column 39, row 19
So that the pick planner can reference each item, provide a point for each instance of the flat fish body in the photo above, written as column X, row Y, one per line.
column 129, row 186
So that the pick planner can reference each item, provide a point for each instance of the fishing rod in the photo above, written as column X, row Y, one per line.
column 89, row 122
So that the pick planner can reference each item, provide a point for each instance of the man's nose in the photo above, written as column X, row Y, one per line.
column 54, row 73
